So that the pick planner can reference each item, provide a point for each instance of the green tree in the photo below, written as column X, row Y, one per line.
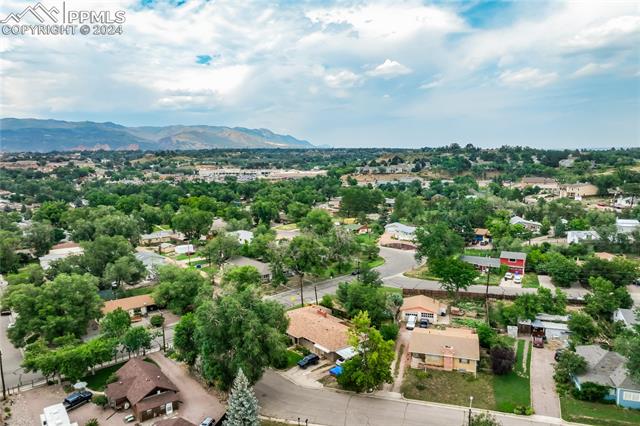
column 620, row 271
column 563, row 271
column 239, row 330
column 115, row 324
column 242, row 276
column 58, row 308
column 317, row 221
column 605, row 298
column 192, row 222
column 137, row 339
column 178, row 288
column 51, row 211
column 356, row 296
column 118, row 224
column 454, row 273
column 264, row 211
column 126, row 269
column 102, row 251
column 633, row 357
column 220, row 249
column 438, row 241
column 371, row 367
column 8, row 257
column 569, row 364
column 184, row 339
column 243, row 406
column 30, row 274
column 40, row 237
column 527, row 306
column 304, row 254
column 582, row 328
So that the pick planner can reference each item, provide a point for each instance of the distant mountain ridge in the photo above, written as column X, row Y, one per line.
column 17, row 134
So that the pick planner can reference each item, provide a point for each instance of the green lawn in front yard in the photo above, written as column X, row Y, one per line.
column 530, row 280
column 98, row 381
column 449, row 387
column 135, row 291
column 390, row 290
column 494, row 279
column 596, row 413
column 510, row 391
column 421, row 272
column 292, row 358
column 376, row 262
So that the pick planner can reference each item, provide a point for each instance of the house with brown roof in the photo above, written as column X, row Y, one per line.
column 174, row 421
column 314, row 328
column 136, row 306
column 422, row 307
column 144, row 388
column 451, row 349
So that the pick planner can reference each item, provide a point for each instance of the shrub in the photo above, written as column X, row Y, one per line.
column 590, row 392
column 502, row 359
column 92, row 422
column 421, row 386
column 484, row 419
column 523, row 411
column 113, row 377
column 100, row 400
column 327, row 301
column 157, row 320
column 389, row 331
column 486, row 334
column 422, row 375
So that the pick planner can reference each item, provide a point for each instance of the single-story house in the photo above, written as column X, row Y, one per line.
column 515, row 261
column 627, row 226
column 157, row 237
column 607, row 368
column 579, row 236
column 244, row 237
column 400, row 231
column 144, row 388
column 531, row 225
column 553, row 327
column 136, row 306
column 388, row 240
column 540, row 182
column 263, row 268
column 60, row 251
column 151, row 261
column 185, row 249
column 166, row 248
column 357, row 228
column 578, row 190
column 314, row 328
column 452, row 349
column 481, row 234
column 628, row 316
column 422, row 307
column 483, row 263
column 218, row 225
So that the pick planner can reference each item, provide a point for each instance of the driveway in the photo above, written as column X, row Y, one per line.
column 281, row 399
column 197, row 402
column 543, row 388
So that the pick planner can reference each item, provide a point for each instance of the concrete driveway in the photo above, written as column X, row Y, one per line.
column 543, row 388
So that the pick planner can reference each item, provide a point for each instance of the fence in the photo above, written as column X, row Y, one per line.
column 439, row 294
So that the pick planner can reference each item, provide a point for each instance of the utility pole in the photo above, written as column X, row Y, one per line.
column 164, row 342
column 486, row 296
column 470, row 402
column 315, row 288
column 4, row 390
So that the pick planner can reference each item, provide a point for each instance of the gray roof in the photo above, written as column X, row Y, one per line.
column 605, row 367
column 629, row 316
column 262, row 267
column 513, row 255
column 150, row 260
column 482, row 261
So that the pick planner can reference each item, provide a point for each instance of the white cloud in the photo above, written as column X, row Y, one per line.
column 342, row 79
column 591, row 69
column 389, row 69
column 527, row 77
column 431, row 84
column 611, row 31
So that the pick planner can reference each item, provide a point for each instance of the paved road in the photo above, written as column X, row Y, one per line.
column 544, row 398
column 282, row 399
column 396, row 262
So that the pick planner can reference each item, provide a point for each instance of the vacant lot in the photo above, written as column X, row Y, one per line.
column 595, row 413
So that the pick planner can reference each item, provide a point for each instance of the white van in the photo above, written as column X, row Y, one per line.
column 411, row 322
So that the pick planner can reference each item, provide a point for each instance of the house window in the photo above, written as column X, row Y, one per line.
column 631, row 396
column 426, row 315
column 463, row 361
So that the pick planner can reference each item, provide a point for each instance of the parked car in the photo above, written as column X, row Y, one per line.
column 76, row 399
column 508, row 276
column 209, row 421
column 517, row 279
column 5, row 311
column 424, row 323
column 340, row 361
column 484, row 243
column 558, row 354
column 411, row 323
column 308, row 360
column 355, row 272
column 129, row 418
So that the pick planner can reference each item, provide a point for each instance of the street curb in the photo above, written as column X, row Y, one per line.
column 289, row 422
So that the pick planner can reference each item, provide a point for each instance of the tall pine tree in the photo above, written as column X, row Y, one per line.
column 243, row 405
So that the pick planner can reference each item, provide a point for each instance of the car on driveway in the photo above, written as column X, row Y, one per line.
column 76, row 399
column 308, row 360
column 411, row 323
column 424, row 323
column 129, row 418
column 517, row 279
column 207, row 422
column 508, row 276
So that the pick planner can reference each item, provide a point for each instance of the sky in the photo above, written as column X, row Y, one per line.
column 548, row 74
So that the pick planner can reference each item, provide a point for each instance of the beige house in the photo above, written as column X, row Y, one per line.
column 422, row 307
column 136, row 306
column 452, row 349
column 317, row 330
column 578, row 190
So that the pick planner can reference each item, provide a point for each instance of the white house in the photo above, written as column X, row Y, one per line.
column 625, row 202
column 185, row 249
column 531, row 225
column 578, row 236
column 400, row 231
column 60, row 251
column 627, row 226
column 244, row 237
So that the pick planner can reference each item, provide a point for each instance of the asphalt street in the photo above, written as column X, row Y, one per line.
column 279, row 398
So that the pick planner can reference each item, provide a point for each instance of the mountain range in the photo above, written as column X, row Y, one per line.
column 35, row 135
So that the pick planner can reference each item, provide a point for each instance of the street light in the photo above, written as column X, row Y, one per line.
column 4, row 391
column 470, row 403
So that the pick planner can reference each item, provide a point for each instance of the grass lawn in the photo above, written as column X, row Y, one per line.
column 421, row 272
column 287, row 227
column 98, row 381
column 390, row 290
column 477, row 252
column 513, row 389
column 595, row 413
column 530, row 280
column 273, row 423
column 161, row 228
column 449, row 387
column 137, row 291
column 494, row 279
column 377, row 262
column 292, row 358
column 183, row 256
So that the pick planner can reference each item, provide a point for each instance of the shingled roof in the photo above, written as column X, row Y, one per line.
column 136, row 379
